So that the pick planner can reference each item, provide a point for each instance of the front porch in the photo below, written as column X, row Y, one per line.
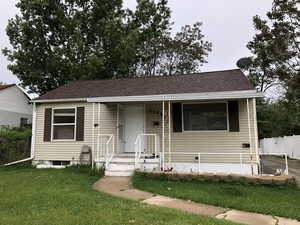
column 145, row 136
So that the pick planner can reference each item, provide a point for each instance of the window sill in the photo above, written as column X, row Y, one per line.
column 64, row 140
column 205, row 131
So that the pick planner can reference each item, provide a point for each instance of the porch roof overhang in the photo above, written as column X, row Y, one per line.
column 181, row 97
column 165, row 97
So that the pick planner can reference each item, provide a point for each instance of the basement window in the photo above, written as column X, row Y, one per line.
column 60, row 163
column 205, row 117
column 63, row 124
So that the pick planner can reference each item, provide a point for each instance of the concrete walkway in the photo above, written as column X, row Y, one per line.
column 121, row 187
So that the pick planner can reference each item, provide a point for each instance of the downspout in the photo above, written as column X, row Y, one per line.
column 32, row 150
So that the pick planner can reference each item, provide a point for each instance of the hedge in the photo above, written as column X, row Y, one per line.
column 15, row 144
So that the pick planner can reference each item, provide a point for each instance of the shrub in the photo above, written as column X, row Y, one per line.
column 15, row 144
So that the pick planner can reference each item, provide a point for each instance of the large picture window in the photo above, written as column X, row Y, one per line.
column 205, row 117
column 63, row 124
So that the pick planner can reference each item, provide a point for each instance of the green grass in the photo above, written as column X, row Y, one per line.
column 49, row 197
column 277, row 201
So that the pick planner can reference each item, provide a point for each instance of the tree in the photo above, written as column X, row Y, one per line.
column 276, row 61
column 160, row 53
column 275, row 47
column 57, row 41
column 152, row 22
column 185, row 53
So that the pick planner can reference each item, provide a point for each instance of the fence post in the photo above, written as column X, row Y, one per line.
column 199, row 163
column 286, row 165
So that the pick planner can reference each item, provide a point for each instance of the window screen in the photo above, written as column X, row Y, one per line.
column 201, row 117
column 63, row 124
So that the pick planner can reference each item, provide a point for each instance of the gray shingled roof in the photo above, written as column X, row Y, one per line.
column 219, row 81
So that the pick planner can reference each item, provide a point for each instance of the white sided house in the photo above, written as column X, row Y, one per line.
column 15, row 106
column 202, row 122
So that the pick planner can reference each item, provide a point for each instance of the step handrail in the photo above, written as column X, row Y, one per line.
column 138, row 146
column 108, row 152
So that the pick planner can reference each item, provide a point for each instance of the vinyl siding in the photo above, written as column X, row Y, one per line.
column 14, row 105
column 187, row 142
column 204, row 141
column 70, row 150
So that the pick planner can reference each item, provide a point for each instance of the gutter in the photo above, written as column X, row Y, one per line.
column 181, row 97
column 32, row 140
column 59, row 100
column 162, row 97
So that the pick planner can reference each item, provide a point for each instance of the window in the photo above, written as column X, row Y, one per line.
column 205, row 117
column 63, row 124
column 23, row 122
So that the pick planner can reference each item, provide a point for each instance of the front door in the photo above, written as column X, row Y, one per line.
column 133, row 125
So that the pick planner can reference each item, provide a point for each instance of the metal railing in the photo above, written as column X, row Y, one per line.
column 251, row 158
column 146, row 144
column 108, row 150
column 285, row 155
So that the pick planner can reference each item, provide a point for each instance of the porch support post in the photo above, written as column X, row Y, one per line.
column 118, row 118
column 169, row 117
column 250, row 135
column 99, row 130
column 163, row 135
column 93, row 135
column 255, row 130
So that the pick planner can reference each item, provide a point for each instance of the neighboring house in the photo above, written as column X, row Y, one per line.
column 15, row 106
column 202, row 122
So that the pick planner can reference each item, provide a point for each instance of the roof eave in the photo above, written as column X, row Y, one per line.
column 59, row 100
column 164, row 97
column 182, row 97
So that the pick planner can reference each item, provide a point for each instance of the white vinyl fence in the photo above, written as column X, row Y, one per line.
column 288, row 144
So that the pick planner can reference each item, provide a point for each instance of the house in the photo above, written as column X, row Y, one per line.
column 15, row 108
column 202, row 122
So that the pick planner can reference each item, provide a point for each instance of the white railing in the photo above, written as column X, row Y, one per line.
column 146, row 144
column 242, row 157
column 285, row 159
column 108, row 150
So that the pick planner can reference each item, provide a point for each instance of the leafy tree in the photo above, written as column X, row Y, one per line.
column 275, row 120
column 152, row 22
column 57, row 41
column 185, row 53
column 276, row 61
column 275, row 47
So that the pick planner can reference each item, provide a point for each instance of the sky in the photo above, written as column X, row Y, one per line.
column 226, row 23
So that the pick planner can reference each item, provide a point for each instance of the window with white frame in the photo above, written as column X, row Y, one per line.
column 63, row 124
column 205, row 117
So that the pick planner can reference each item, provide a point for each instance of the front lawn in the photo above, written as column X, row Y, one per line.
column 277, row 201
column 51, row 197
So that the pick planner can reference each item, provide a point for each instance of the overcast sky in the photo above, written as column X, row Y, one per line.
column 226, row 23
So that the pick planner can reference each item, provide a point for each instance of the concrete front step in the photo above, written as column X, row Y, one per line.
column 120, row 167
column 111, row 173
column 125, row 165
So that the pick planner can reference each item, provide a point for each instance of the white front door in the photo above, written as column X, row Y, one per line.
column 133, row 125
